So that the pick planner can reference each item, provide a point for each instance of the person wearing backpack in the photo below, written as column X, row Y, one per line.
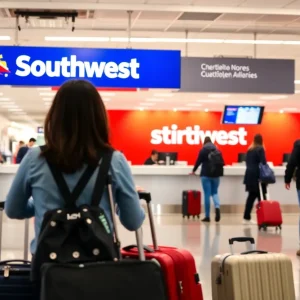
column 76, row 159
column 212, row 169
column 292, row 171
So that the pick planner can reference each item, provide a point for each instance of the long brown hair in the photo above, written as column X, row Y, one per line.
column 76, row 127
column 257, row 142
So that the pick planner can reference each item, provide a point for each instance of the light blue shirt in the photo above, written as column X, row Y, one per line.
column 35, row 180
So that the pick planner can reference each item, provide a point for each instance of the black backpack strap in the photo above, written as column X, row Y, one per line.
column 70, row 198
column 102, row 178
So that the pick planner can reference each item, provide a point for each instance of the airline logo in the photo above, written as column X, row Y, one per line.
column 195, row 136
column 3, row 67
column 71, row 67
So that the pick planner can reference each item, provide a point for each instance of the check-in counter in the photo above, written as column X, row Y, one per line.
column 166, row 184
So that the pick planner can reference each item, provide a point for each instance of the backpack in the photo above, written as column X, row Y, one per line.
column 77, row 234
column 215, row 164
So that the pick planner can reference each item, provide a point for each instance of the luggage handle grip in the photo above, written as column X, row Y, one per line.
column 143, row 195
column 146, row 248
column 147, row 197
column 12, row 261
column 242, row 240
column 254, row 251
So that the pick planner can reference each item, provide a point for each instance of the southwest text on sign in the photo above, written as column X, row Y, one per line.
column 71, row 67
column 195, row 136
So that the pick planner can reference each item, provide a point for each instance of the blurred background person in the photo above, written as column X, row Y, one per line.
column 153, row 159
column 293, row 171
column 255, row 155
column 20, row 144
column 23, row 150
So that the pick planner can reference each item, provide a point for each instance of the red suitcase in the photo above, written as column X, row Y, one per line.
column 178, row 265
column 268, row 213
column 191, row 203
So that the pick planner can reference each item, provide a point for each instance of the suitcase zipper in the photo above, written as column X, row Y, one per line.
column 6, row 270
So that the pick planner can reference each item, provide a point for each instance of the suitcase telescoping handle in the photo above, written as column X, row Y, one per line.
column 26, row 233
column 147, row 197
column 138, row 233
column 241, row 240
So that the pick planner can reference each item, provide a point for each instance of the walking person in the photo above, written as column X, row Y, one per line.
column 293, row 171
column 212, row 169
column 255, row 156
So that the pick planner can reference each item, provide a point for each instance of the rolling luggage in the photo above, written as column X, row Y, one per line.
column 252, row 275
column 268, row 213
column 111, row 279
column 15, row 281
column 191, row 203
column 178, row 265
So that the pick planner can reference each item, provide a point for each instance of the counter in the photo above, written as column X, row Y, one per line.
column 166, row 184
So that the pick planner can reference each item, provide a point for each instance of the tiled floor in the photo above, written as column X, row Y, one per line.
column 204, row 241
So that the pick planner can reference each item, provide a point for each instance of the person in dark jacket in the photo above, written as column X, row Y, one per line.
column 255, row 156
column 293, row 171
column 210, row 185
column 23, row 150
column 152, row 160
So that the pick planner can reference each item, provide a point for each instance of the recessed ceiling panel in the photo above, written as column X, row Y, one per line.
column 190, row 16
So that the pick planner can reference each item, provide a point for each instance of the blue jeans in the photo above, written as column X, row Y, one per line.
column 210, row 187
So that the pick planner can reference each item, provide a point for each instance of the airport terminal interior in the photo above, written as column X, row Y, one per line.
column 170, row 73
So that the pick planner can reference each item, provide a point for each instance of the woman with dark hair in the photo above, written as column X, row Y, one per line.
column 255, row 156
column 76, row 133
column 210, row 174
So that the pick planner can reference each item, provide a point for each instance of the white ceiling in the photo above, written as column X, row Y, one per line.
column 204, row 19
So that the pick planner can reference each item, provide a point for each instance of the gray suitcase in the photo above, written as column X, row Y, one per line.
column 252, row 275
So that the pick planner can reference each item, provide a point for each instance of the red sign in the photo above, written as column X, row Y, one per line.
column 136, row 133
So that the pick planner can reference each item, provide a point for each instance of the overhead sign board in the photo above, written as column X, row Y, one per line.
column 117, row 68
column 237, row 75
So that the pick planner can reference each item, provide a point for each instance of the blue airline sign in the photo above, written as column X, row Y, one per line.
column 116, row 68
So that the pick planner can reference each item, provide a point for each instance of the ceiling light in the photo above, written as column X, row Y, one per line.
column 273, row 97
column 281, row 111
column 163, row 40
column 19, row 113
column 218, row 95
column 105, row 99
column 44, row 89
column 206, row 109
column 10, row 106
column 4, row 38
column 155, row 99
column 47, row 99
column 183, row 108
column 1, row 94
column 147, row 104
column 297, row 81
column 76, row 39
column 207, row 101
column 107, row 94
column 290, row 109
column 194, row 104
column 254, row 102
column 15, row 109
column 174, row 109
column 164, row 95
column 48, row 94
column 4, row 99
